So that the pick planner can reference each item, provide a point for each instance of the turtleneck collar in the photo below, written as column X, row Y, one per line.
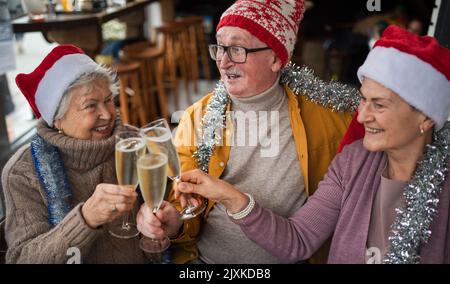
column 266, row 100
column 77, row 153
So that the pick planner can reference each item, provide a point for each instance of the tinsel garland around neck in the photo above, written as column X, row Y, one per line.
column 211, row 125
column 50, row 168
column 301, row 80
column 333, row 95
column 411, row 227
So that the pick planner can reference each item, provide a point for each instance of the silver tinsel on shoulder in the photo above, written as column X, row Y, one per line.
column 411, row 227
column 301, row 80
column 212, row 122
column 50, row 169
column 334, row 95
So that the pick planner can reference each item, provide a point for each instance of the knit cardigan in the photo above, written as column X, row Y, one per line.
column 341, row 207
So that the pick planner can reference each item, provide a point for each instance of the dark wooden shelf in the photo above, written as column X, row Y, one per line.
column 76, row 19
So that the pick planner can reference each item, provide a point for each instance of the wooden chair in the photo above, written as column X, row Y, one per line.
column 151, row 59
column 132, row 104
column 198, row 43
column 175, row 41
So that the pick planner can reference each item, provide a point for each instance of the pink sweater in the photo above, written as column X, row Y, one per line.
column 341, row 207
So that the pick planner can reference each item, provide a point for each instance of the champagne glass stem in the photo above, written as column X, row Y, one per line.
column 125, row 218
column 125, row 224
column 177, row 179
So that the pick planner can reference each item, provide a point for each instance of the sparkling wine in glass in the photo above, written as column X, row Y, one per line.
column 157, row 134
column 152, row 173
column 129, row 147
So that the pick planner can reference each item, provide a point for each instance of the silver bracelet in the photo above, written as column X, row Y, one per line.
column 244, row 212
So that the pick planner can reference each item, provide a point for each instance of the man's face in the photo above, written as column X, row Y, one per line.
column 254, row 76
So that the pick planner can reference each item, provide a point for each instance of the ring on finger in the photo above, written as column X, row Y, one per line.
column 114, row 208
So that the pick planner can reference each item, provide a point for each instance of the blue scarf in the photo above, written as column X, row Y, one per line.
column 53, row 178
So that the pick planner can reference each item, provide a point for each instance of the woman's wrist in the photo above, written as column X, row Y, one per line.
column 87, row 218
column 236, row 203
column 178, row 234
column 244, row 211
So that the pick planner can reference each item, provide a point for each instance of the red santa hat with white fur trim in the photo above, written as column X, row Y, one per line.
column 46, row 85
column 416, row 68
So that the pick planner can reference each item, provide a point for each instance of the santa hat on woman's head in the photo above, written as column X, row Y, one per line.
column 273, row 22
column 416, row 68
column 45, row 86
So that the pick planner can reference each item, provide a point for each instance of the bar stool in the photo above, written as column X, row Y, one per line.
column 191, row 50
column 197, row 32
column 152, row 67
column 130, row 96
column 175, row 38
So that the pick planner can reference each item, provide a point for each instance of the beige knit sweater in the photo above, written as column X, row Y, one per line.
column 29, row 236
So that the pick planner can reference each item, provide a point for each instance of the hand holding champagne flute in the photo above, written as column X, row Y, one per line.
column 157, row 134
column 152, row 172
column 129, row 147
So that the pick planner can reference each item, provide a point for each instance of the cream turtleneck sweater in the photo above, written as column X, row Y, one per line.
column 266, row 167
column 29, row 236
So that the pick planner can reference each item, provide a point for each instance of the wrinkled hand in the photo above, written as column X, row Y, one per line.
column 187, row 198
column 198, row 182
column 107, row 203
column 164, row 223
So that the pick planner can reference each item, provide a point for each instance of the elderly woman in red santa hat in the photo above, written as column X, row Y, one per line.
column 61, row 190
column 386, row 197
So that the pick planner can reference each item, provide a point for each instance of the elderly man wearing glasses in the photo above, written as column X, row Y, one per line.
column 253, row 131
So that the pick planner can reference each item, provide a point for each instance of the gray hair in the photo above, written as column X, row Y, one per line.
column 87, row 79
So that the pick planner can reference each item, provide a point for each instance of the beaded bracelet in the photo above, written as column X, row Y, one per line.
column 243, row 213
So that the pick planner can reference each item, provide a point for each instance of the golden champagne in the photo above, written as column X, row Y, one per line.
column 152, row 172
column 127, row 152
column 158, row 137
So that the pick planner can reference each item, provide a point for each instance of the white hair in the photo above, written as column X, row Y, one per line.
column 88, row 80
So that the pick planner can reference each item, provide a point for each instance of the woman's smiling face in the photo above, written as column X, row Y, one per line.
column 91, row 113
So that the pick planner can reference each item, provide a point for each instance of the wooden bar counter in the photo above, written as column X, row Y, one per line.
column 84, row 29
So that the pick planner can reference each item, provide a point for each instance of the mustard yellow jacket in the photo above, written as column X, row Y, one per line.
column 317, row 132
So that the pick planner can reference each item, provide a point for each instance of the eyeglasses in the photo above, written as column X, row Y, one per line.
column 237, row 54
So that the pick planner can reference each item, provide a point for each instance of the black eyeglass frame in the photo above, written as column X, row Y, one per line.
column 226, row 49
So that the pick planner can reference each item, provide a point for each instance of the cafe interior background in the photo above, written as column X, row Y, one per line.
column 334, row 38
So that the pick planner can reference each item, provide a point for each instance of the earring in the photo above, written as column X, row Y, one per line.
column 60, row 131
column 421, row 130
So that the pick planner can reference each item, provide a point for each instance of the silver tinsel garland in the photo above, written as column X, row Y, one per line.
column 211, row 125
column 333, row 95
column 411, row 227
column 50, row 169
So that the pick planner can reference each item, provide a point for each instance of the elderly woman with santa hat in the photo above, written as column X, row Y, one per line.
column 61, row 190
column 386, row 197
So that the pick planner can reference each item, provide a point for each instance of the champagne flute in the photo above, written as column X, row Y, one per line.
column 129, row 147
column 156, row 134
column 152, row 173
